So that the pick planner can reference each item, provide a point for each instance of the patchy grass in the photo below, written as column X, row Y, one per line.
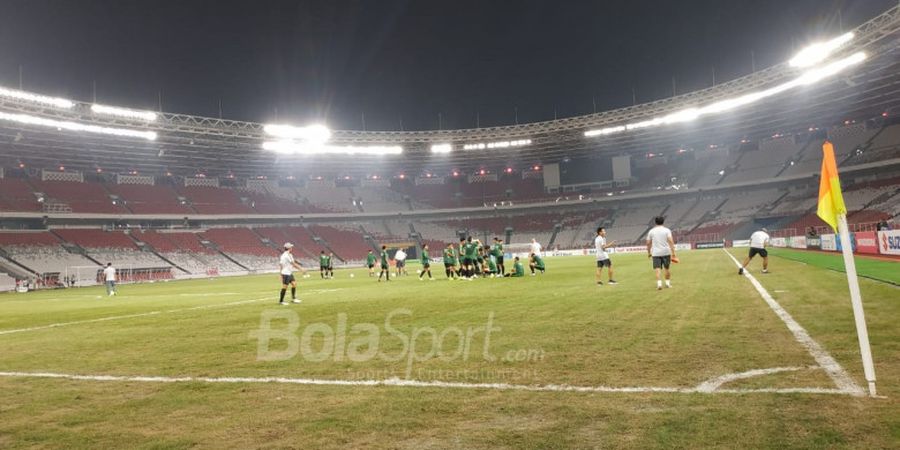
column 559, row 328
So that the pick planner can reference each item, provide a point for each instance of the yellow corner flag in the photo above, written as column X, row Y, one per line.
column 831, row 201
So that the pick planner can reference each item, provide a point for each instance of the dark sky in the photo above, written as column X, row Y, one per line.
column 333, row 60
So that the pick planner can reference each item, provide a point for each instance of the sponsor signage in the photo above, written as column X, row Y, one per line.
column 798, row 242
column 741, row 243
column 814, row 243
column 840, row 248
column 828, row 242
column 867, row 242
column 889, row 242
column 702, row 245
column 681, row 247
column 778, row 242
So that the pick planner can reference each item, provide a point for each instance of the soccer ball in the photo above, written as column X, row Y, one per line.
column 352, row 275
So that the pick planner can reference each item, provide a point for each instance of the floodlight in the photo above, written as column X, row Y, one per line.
column 75, row 126
column 34, row 98
column 819, row 51
column 148, row 116
column 300, row 148
column 311, row 133
column 441, row 148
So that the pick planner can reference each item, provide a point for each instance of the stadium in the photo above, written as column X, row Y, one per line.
column 192, row 346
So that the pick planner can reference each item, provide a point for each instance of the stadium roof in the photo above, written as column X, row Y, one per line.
column 184, row 144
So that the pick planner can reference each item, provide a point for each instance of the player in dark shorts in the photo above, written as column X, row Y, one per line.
column 497, row 250
column 426, row 263
column 385, row 264
column 370, row 263
column 450, row 262
column 330, row 265
column 323, row 264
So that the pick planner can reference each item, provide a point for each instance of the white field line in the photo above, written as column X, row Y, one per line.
column 396, row 382
column 130, row 316
column 149, row 313
column 834, row 370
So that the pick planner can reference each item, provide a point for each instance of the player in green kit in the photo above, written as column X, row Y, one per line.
column 370, row 263
column 426, row 263
column 323, row 264
column 479, row 257
column 330, row 267
column 469, row 251
column 518, row 269
column 497, row 251
column 385, row 265
column 490, row 268
column 450, row 262
column 536, row 262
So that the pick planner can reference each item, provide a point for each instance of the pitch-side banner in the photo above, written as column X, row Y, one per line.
column 798, row 242
column 889, row 242
column 741, row 243
column 866, row 242
column 778, row 242
column 829, row 242
column 813, row 243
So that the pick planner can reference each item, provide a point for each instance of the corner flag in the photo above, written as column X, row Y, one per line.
column 831, row 201
column 833, row 211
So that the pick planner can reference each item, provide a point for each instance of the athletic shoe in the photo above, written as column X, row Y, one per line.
column 283, row 303
column 296, row 300
column 599, row 283
column 612, row 282
column 533, row 274
column 658, row 288
column 431, row 279
column 741, row 271
column 420, row 279
column 765, row 271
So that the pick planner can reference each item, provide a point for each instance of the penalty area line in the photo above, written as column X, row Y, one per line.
column 397, row 382
column 835, row 371
column 131, row 316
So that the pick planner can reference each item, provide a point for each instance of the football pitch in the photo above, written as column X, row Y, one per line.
column 546, row 361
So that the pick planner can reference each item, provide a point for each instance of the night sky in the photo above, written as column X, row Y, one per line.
column 335, row 60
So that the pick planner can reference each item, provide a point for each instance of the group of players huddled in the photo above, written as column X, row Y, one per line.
column 467, row 261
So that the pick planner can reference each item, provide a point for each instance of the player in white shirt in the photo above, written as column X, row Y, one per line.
column 109, row 276
column 287, row 265
column 759, row 240
column 661, row 248
column 400, row 261
column 602, row 257
column 535, row 247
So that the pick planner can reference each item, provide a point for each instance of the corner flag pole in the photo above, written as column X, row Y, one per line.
column 859, row 315
column 833, row 211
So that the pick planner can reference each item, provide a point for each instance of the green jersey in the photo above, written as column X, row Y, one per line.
column 519, row 269
column 449, row 257
column 470, row 248
column 492, row 265
column 384, row 259
column 323, row 260
column 538, row 262
column 425, row 258
column 370, row 260
column 497, row 250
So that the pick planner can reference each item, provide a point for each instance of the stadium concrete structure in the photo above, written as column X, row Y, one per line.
column 172, row 196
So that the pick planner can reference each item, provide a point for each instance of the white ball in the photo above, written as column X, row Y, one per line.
column 352, row 275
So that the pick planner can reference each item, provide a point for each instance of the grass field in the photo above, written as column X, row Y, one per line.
column 876, row 269
column 546, row 361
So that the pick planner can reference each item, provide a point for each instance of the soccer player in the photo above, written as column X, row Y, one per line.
column 497, row 250
column 491, row 267
column 287, row 266
column 426, row 264
column 535, row 247
column 370, row 263
column 518, row 269
column 759, row 240
column 535, row 262
column 450, row 262
column 385, row 264
column 479, row 257
column 400, row 262
column 470, row 250
column 330, row 265
column 323, row 264
column 661, row 248
column 109, row 276
column 602, row 257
